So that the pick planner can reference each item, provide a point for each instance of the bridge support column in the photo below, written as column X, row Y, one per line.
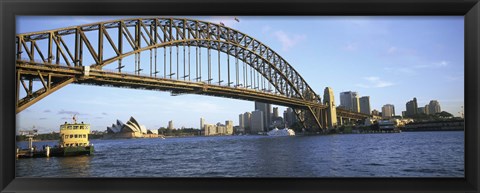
column 331, row 111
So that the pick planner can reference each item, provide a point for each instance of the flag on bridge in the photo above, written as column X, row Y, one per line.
column 236, row 19
column 221, row 23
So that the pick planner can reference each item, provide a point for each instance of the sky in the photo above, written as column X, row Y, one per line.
column 389, row 58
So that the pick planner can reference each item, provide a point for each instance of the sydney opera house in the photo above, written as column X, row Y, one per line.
column 129, row 130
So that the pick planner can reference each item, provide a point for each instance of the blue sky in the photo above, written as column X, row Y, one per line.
column 391, row 59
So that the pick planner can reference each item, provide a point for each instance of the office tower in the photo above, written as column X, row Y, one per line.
column 257, row 121
column 267, row 113
column 241, row 121
column 421, row 110
column 349, row 100
column 202, row 122
column 289, row 117
column 275, row 113
column 388, row 111
column 247, row 119
column 229, row 127
column 434, row 107
column 170, row 125
column 412, row 107
column 365, row 104
column 427, row 109
column 328, row 99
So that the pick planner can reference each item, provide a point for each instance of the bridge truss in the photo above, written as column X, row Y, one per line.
column 165, row 54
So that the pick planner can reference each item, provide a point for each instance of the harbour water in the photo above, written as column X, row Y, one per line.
column 407, row 154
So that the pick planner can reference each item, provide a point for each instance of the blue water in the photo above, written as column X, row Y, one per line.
column 407, row 154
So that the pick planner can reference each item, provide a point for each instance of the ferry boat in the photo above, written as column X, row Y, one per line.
column 73, row 141
column 281, row 132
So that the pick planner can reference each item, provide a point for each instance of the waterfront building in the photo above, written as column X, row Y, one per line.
column 257, row 122
column 247, row 120
column 365, row 104
column 267, row 113
column 278, row 122
column 202, row 123
column 375, row 112
column 421, row 110
column 289, row 117
column 219, row 128
column 349, row 100
column 131, row 129
column 210, row 129
column 170, row 125
column 434, row 107
column 412, row 107
column 229, row 127
column 241, row 121
column 275, row 113
column 427, row 109
column 388, row 111
column 238, row 130
column 329, row 100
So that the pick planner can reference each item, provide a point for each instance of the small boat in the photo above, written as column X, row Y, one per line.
column 281, row 132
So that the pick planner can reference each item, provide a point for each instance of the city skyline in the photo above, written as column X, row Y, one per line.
column 389, row 63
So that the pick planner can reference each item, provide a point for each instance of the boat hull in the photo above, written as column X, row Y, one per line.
column 57, row 152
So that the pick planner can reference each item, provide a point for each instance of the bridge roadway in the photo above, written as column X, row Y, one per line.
column 92, row 76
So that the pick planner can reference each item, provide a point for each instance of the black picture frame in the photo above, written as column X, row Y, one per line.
column 470, row 9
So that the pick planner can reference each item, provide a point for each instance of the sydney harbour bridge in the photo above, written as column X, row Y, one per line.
column 182, row 56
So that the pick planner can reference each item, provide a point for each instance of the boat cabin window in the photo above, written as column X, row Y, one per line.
column 82, row 127
column 71, row 136
column 75, row 127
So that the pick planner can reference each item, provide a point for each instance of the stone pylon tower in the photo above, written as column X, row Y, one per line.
column 331, row 111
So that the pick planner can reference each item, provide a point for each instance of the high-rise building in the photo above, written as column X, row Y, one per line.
column 388, row 111
column 427, row 109
column 247, row 120
column 210, row 129
column 365, row 104
column 202, row 122
column 434, row 107
column 275, row 113
column 375, row 112
column 170, row 125
column 229, row 127
column 267, row 113
column 329, row 100
column 412, row 107
column 289, row 117
column 257, row 122
column 349, row 100
column 241, row 121
column 421, row 110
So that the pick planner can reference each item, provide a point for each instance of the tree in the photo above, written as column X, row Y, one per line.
column 444, row 114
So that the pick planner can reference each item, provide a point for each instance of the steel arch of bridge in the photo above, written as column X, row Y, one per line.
column 148, row 34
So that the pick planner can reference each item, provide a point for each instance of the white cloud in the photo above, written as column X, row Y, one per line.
column 266, row 29
column 288, row 41
column 392, row 49
column 454, row 78
column 351, row 47
column 440, row 64
column 374, row 82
